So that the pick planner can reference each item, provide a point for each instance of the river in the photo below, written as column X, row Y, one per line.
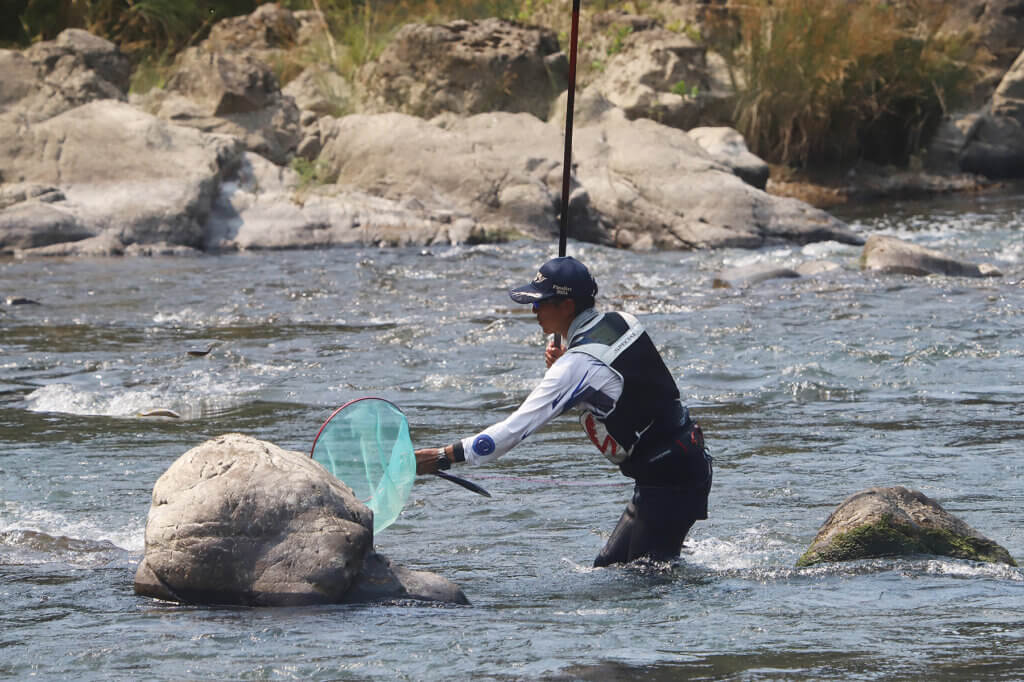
column 808, row 390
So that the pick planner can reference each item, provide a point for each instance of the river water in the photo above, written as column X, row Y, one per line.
column 808, row 390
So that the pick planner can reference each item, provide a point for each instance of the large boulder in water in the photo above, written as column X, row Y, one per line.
column 895, row 256
column 896, row 521
column 241, row 521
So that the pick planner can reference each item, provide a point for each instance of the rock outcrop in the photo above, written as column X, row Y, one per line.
column 229, row 93
column 107, row 168
column 637, row 183
column 226, row 160
column 994, row 139
column 467, row 68
column 664, row 76
column 264, row 206
column 241, row 521
column 882, row 522
column 52, row 77
column 727, row 146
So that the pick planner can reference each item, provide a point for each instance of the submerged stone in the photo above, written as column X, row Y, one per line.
column 895, row 256
column 897, row 521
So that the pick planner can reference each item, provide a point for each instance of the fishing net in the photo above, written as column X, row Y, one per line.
column 366, row 444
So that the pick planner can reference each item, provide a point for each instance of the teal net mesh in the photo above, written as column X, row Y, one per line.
column 367, row 445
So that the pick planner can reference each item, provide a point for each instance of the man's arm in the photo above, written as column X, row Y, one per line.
column 561, row 383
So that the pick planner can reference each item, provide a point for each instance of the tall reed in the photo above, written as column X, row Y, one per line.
column 824, row 81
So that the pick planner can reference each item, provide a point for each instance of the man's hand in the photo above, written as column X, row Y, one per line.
column 552, row 353
column 426, row 460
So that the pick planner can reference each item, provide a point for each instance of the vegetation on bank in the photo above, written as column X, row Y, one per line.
column 824, row 81
column 818, row 82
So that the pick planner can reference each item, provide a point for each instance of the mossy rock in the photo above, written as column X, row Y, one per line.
column 896, row 521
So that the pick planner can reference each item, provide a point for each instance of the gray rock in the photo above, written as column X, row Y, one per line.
column 233, row 94
column 17, row 192
column 270, row 27
column 104, row 244
column 1008, row 100
column 467, row 68
column 322, row 91
column 891, row 255
column 817, row 267
column 998, row 153
column 264, row 206
column 382, row 581
column 896, row 521
column 120, row 170
column 492, row 165
column 221, row 84
column 632, row 178
column 241, row 521
column 994, row 144
column 34, row 223
column 54, row 76
column 728, row 146
column 658, row 75
column 18, row 79
column 646, row 177
column 755, row 274
column 589, row 107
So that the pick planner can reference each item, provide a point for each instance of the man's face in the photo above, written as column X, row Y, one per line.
column 555, row 314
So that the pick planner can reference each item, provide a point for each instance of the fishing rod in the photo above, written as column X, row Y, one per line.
column 563, row 227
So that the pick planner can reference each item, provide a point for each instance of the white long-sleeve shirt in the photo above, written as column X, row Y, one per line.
column 574, row 380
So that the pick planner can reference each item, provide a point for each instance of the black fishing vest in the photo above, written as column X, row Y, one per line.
column 648, row 389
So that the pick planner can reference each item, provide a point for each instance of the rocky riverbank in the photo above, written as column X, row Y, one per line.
column 464, row 146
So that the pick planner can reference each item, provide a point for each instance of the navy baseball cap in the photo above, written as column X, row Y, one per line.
column 563, row 277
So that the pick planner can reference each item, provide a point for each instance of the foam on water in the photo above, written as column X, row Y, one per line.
column 973, row 569
column 198, row 394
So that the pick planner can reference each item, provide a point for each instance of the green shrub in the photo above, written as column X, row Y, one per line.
column 822, row 81
column 683, row 90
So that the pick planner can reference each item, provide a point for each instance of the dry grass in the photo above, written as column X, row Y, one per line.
column 840, row 80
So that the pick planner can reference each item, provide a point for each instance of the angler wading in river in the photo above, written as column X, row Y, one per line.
column 630, row 409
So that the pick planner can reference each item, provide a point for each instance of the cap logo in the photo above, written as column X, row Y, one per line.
column 561, row 290
column 539, row 278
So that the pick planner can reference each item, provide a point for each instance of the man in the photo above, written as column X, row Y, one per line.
column 631, row 411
